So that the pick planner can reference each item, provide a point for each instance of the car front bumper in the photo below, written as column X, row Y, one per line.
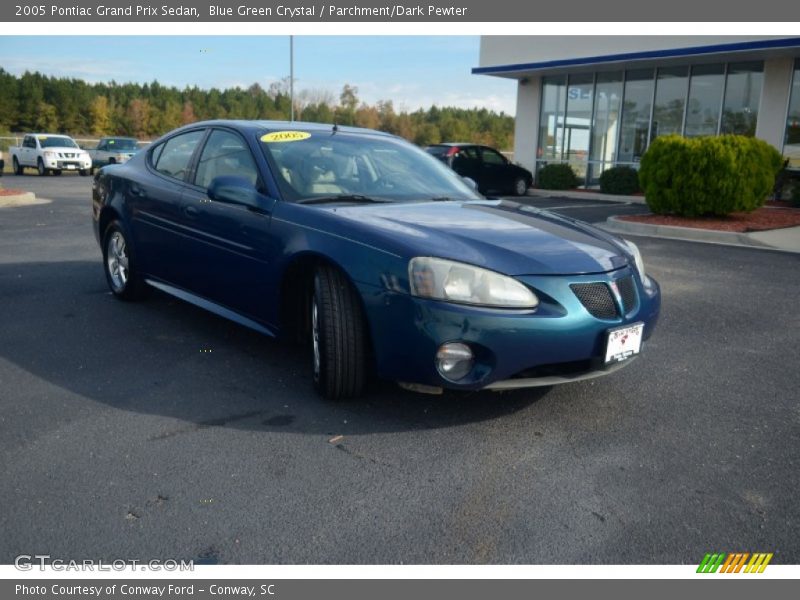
column 559, row 342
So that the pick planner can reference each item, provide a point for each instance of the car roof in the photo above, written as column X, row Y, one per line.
column 454, row 144
column 50, row 135
column 259, row 125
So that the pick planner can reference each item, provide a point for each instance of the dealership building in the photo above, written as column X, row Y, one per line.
column 598, row 101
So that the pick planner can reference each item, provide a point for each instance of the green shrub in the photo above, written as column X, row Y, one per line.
column 557, row 177
column 620, row 181
column 708, row 175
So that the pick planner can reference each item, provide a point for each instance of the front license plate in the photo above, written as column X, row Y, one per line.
column 623, row 342
column 70, row 166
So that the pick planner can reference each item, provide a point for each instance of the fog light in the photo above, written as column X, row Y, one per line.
column 454, row 360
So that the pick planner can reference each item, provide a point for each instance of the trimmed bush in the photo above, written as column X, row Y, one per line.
column 719, row 175
column 620, row 181
column 557, row 177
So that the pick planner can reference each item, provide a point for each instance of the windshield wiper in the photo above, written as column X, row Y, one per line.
column 344, row 198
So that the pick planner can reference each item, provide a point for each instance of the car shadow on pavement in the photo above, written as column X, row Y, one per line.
column 168, row 358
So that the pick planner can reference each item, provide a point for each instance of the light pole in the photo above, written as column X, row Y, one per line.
column 291, row 77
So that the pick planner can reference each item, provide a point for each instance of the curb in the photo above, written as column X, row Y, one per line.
column 689, row 234
column 572, row 195
column 23, row 199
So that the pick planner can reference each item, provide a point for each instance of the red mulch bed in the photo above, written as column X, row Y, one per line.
column 761, row 219
column 5, row 192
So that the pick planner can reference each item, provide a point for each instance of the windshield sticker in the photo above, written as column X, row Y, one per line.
column 285, row 136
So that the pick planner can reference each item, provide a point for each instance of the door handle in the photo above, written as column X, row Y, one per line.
column 191, row 211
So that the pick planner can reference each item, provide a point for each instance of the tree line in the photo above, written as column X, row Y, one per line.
column 37, row 102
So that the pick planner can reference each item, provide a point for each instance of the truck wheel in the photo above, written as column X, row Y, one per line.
column 83, row 172
column 338, row 337
column 40, row 167
column 18, row 170
column 57, row 172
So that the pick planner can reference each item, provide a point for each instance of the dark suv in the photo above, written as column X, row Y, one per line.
column 492, row 171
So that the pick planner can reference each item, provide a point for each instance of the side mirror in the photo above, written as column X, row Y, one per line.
column 471, row 183
column 234, row 190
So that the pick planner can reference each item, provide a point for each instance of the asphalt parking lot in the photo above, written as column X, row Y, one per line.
column 156, row 430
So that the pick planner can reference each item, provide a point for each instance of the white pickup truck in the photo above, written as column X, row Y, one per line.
column 113, row 150
column 49, row 153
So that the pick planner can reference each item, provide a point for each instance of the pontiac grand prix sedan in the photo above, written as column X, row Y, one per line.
column 379, row 257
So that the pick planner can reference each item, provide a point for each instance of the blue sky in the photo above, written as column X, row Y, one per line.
column 412, row 71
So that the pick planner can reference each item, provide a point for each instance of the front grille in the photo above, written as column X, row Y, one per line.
column 627, row 292
column 597, row 299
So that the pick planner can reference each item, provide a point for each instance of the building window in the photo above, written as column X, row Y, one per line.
column 670, row 101
column 605, row 123
column 578, row 122
column 742, row 96
column 791, row 148
column 551, row 121
column 705, row 100
column 596, row 120
column 636, row 109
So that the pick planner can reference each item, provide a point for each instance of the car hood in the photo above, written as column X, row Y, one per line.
column 63, row 149
column 500, row 235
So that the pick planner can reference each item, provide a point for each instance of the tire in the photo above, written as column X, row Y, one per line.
column 520, row 187
column 83, row 172
column 18, row 170
column 338, row 337
column 119, row 264
column 57, row 172
column 40, row 168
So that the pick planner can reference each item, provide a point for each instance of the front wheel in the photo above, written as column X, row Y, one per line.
column 338, row 337
column 40, row 168
column 83, row 172
column 57, row 172
column 17, row 167
column 120, row 265
column 520, row 186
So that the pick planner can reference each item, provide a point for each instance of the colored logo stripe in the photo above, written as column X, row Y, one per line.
column 734, row 562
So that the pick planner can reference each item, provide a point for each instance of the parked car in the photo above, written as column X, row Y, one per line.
column 49, row 153
column 113, row 150
column 2, row 163
column 377, row 255
column 487, row 167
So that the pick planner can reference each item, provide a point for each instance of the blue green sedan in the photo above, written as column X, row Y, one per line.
column 375, row 255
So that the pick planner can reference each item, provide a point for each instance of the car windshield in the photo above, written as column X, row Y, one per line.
column 333, row 164
column 122, row 144
column 57, row 141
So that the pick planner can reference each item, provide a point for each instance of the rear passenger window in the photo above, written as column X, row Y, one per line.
column 225, row 153
column 173, row 160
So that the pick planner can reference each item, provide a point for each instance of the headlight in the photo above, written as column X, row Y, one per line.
column 49, row 154
column 637, row 257
column 458, row 282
